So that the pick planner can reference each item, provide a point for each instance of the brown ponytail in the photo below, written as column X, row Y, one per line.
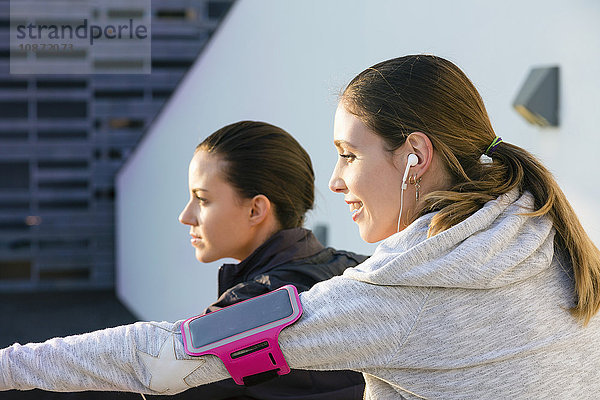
column 432, row 95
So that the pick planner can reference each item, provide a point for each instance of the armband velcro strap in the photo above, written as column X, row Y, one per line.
column 245, row 335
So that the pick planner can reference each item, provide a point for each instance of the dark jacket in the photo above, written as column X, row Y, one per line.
column 291, row 256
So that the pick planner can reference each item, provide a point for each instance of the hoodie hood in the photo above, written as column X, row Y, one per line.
column 494, row 247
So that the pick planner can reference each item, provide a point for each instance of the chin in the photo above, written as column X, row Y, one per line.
column 205, row 258
column 370, row 236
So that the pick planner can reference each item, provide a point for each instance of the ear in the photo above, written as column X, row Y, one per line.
column 260, row 209
column 420, row 144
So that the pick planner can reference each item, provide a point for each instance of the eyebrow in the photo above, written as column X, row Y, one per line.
column 339, row 143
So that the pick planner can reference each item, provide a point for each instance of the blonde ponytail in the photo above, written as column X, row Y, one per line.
column 514, row 167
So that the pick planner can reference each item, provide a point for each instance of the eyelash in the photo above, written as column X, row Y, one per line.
column 348, row 157
column 201, row 200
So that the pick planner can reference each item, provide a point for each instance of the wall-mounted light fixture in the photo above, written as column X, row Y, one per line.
column 538, row 98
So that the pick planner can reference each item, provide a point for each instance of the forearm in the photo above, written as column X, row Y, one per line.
column 143, row 357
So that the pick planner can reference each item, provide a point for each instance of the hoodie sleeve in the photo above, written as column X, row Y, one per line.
column 348, row 324
column 144, row 357
column 345, row 325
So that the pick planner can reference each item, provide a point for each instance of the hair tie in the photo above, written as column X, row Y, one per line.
column 492, row 147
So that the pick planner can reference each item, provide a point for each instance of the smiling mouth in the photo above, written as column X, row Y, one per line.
column 195, row 240
column 356, row 208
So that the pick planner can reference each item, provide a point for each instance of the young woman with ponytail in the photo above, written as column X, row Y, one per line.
column 484, row 285
column 430, row 94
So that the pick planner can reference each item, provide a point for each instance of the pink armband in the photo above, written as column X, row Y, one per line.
column 245, row 335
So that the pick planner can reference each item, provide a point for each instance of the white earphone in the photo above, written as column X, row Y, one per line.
column 410, row 162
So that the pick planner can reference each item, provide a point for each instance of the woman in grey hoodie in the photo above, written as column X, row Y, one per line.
column 484, row 285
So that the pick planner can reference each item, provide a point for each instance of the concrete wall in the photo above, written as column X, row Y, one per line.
column 284, row 62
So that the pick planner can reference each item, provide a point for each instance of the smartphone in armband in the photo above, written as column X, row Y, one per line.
column 245, row 335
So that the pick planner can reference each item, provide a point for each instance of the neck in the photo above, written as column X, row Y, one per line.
column 261, row 234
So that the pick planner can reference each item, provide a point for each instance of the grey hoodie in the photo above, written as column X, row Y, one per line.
column 479, row 311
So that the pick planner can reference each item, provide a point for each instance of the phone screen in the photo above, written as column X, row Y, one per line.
column 240, row 317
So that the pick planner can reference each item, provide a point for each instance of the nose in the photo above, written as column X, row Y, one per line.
column 336, row 183
column 187, row 216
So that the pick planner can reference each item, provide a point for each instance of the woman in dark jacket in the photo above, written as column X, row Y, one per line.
column 251, row 184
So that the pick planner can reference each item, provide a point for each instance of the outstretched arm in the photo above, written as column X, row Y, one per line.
column 346, row 325
column 144, row 357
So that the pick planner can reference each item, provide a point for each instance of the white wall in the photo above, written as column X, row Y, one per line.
column 284, row 62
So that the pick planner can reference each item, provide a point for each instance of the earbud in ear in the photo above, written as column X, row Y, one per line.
column 411, row 162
